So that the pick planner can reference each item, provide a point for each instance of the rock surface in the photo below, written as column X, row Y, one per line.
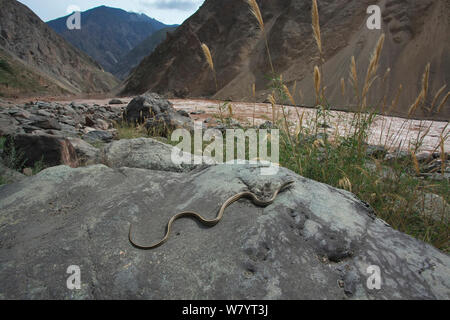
column 314, row 242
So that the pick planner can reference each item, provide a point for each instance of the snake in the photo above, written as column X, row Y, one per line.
column 210, row 223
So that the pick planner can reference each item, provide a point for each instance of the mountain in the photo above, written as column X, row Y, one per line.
column 135, row 56
column 33, row 58
column 416, row 33
column 107, row 34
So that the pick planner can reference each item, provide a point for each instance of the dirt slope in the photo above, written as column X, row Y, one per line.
column 41, row 51
column 416, row 33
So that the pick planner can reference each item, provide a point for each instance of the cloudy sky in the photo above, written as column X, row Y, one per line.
column 166, row 11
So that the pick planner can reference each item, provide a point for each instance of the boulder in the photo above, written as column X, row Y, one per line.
column 99, row 136
column 45, row 123
column 115, row 101
column 157, row 114
column 52, row 150
column 86, row 153
column 8, row 125
column 144, row 153
column 313, row 242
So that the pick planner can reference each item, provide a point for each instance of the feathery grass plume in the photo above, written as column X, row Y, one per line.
column 288, row 94
column 317, row 81
column 316, row 27
column 444, row 101
column 343, row 87
column 354, row 78
column 437, row 96
column 416, row 104
column 272, row 101
column 209, row 60
column 345, row 184
column 254, row 9
column 372, row 69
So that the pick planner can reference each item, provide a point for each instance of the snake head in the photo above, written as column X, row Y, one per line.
column 288, row 184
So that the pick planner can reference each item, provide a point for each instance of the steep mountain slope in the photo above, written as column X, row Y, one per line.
column 107, row 34
column 135, row 56
column 30, row 46
column 416, row 33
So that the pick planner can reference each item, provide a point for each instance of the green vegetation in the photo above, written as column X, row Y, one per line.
column 15, row 159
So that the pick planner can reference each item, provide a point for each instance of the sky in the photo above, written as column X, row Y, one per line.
column 166, row 11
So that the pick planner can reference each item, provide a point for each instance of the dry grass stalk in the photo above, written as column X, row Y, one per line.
column 343, row 87
column 317, row 81
column 416, row 104
column 444, row 101
column 437, row 96
column 272, row 101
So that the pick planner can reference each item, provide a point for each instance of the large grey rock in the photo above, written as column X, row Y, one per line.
column 144, row 153
column 313, row 242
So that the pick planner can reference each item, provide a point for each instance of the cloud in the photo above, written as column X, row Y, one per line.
column 182, row 5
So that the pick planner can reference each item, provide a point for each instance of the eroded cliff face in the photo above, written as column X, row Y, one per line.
column 416, row 33
column 26, row 38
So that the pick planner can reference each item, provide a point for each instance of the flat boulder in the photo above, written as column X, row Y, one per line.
column 144, row 153
column 313, row 242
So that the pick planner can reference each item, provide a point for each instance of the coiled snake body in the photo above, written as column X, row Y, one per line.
column 213, row 222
